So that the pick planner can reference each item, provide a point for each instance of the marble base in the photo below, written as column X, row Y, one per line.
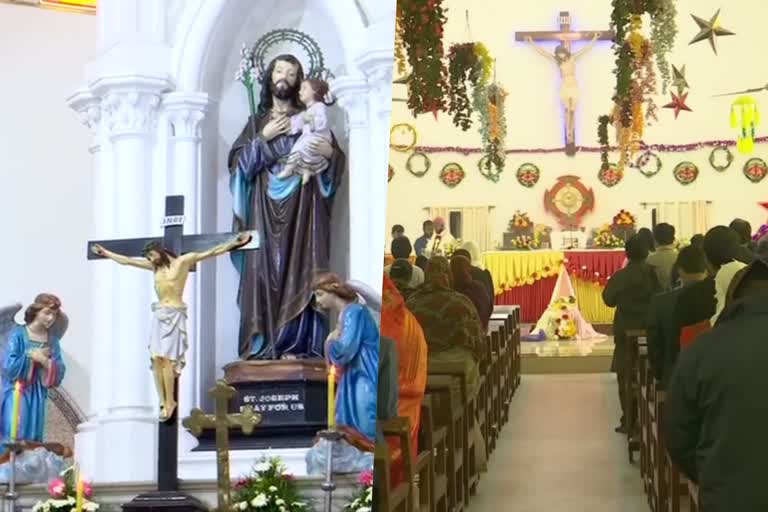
column 202, row 465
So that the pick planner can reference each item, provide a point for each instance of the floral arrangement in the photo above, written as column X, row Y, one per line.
column 63, row 495
column 566, row 327
column 451, row 247
column 623, row 225
column 563, row 303
column 468, row 63
column 563, row 326
column 421, row 25
column 247, row 74
column 363, row 501
column 269, row 489
column 663, row 34
column 525, row 243
column 520, row 223
column 489, row 103
column 604, row 238
column 543, row 235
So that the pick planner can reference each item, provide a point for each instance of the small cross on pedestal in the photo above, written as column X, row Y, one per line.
column 223, row 422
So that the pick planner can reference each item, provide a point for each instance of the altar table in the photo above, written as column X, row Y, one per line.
column 527, row 279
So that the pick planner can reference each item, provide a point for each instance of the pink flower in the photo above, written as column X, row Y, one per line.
column 87, row 489
column 366, row 478
column 288, row 476
column 57, row 488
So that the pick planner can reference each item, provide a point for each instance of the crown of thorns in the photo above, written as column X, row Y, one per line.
column 263, row 51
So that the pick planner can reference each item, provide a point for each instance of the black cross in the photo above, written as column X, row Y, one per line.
column 174, row 240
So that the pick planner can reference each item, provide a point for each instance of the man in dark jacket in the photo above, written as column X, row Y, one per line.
column 717, row 410
column 630, row 291
column 746, row 252
column 663, row 325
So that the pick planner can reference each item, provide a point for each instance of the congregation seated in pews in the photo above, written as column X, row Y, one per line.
column 692, row 373
column 454, row 374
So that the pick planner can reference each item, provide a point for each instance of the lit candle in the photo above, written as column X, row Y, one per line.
column 16, row 416
column 80, row 491
column 332, row 398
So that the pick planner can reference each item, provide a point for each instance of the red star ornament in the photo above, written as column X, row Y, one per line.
column 678, row 104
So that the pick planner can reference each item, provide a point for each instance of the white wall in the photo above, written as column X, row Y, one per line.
column 45, row 171
column 534, row 118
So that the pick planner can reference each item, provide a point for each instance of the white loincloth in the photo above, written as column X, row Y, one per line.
column 168, row 337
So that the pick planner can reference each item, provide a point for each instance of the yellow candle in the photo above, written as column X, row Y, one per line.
column 16, row 415
column 332, row 398
column 80, row 492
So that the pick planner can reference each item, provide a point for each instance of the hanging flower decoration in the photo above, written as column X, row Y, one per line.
column 610, row 176
column 489, row 103
column 469, row 65
column 755, row 170
column 643, row 164
column 390, row 173
column 399, row 46
column 422, row 23
column 686, row 173
column 452, row 174
column 714, row 157
column 425, row 164
column 528, row 175
column 410, row 133
column 663, row 35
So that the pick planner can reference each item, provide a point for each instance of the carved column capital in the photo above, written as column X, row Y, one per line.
column 88, row 107
column 130, row 104
column 352, row 93
column 185, row 112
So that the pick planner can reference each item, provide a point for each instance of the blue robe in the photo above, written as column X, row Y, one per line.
column 357, row 352
column 35, row 380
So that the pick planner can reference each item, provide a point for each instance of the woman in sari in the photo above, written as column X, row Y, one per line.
column 399, row 324
column 461, row 269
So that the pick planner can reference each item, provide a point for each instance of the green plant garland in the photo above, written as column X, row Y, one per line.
column 422, row 23
column 469, row 64
column 489, row 102
column 728, row 158
column 602, row 139
column 427, row 164
column 489, row 169
column 663, row 35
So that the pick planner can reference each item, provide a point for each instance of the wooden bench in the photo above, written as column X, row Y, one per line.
column 389, row 497
column 635, row 338
column 435, row 439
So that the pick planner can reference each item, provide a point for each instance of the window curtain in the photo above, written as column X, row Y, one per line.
column 688, row 217
column 475, row 223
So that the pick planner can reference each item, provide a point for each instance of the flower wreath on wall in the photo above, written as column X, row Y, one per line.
column 610, row 175
column 686, row 173
column 469, row 65
column 426, row 164
column 755, row 170
column 452, row 174
column 489, row 103
column 528, row 175
column 399, row 128
column 714, row 158
column 644, row 165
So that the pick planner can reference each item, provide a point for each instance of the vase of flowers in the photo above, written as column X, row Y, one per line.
column 363, row 500
column 64, row 495
column 623, row 226
column 604, row 238
column 269, row 488
column 520, row 224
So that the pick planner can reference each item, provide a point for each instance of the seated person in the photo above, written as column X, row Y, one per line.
column 747, row 247
column 401, row 250
column 474, row 291
column 400, row 273
column 479, row 273
column 721, row 245
column 630, row 291
column 665, row 256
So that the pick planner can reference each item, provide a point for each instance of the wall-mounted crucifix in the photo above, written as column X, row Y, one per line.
column 566, row 61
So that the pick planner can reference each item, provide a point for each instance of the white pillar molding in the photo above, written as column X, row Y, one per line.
column 185, row 112
column 353, row 96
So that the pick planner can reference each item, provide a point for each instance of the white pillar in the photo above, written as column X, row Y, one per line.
column 128, row 432
column 352, row 93
column 185, row 111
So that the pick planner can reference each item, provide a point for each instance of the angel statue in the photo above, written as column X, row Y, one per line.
column 168, row 337
column 353, row 348
column 32, row 364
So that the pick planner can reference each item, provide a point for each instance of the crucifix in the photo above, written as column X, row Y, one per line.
column 223, row 422
column 170, row 257
column 566, row 62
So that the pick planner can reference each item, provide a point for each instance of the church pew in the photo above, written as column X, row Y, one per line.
column 657, row 460
column 435, row 439
column 644, row 416
column 417, row 466
column 498, row 380
column 635, row 338
column 448, row 412
column 693, row 492
column 507, row 362
column 391, row 498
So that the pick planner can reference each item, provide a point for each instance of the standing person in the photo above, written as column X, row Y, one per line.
column 665, row 256
column 441, row 239
column 646, row 235
column 421, row 243
column 397, row 231
column 716, row 411
column 401, row 250
column 629, row 291
column 747, row 247
column 721, row 245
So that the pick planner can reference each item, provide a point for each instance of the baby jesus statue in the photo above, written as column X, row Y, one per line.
column 168, row 337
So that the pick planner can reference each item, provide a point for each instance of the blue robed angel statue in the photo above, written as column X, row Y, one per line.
column 32, row 364
column 275, row 296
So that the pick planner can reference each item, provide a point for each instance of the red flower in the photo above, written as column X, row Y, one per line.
column 365, row 478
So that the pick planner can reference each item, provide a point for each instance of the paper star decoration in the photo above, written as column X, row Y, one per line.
column 679, row 80
column 710, row 29
column 678, row 104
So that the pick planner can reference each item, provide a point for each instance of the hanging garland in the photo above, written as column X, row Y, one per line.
column 452, row 174
column 610, row 176
column 663, row 35
column 528, row 175
column 469, row 64
column 422, row 23
column 713, row 158
column 643, row 161
column 426, row 162
column 403, row 148
column 489, row 103
column 755, row 170
column 399, row 45
column 686, row 173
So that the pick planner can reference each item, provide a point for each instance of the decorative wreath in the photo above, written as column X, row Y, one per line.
column 489, row 169
column 403, row 148
column 409, row 162
column 390, row 173
column 713, row 158
column 686, row 173
column 642, row 164
column 569, row 200
column 452, row 174
column 755, row 170
column 528, row 175
column 610, row 175
column 312, row 61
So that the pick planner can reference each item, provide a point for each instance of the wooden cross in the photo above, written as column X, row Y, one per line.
column 223, row 422
column 174, row 240
column 566, row 37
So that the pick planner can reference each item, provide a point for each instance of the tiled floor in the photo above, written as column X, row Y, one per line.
column 559, row 452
